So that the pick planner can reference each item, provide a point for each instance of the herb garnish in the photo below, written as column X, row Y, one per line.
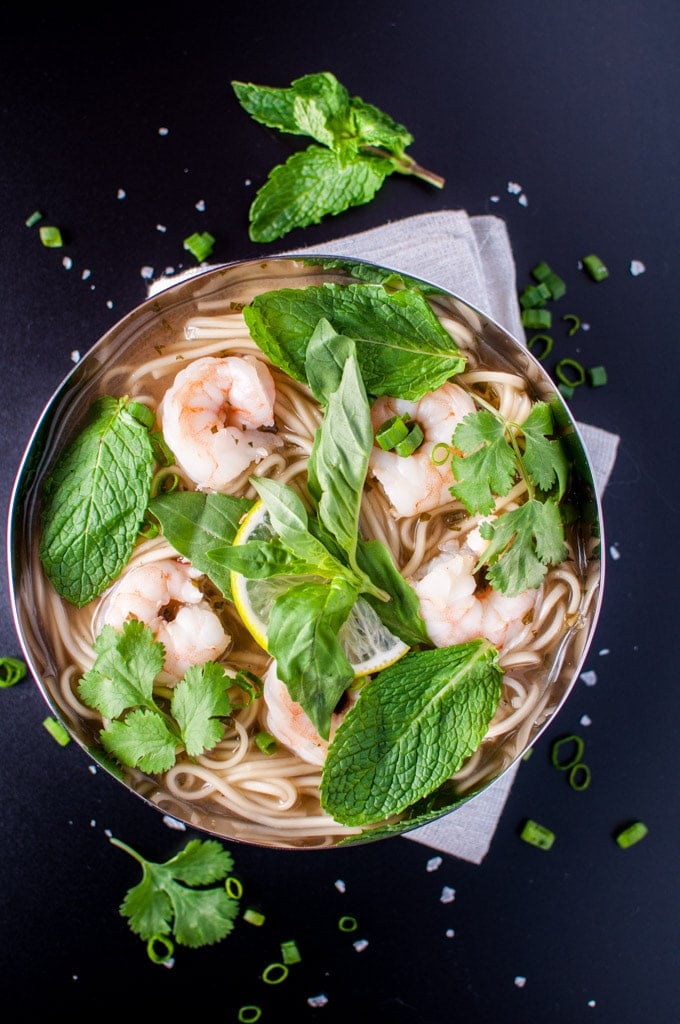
column 358, row 147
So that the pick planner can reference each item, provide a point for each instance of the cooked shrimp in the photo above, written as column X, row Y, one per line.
column 164, row 596
column 453, row 606
column 210, row 415
column 414, row 484
column 289, row 724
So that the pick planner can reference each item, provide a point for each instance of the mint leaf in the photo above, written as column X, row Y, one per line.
column 195, row 524
column 311, row 185
column 94, row 502
column 524, row 541
column 402, row 348
column 411, row 728
column 290, row 109
column 167, row 903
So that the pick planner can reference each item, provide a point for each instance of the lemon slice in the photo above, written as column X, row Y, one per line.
column 368, row 644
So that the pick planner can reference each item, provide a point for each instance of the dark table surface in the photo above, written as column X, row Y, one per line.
column 577, row 103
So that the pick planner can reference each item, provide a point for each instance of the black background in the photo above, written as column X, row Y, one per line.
column 578, row 103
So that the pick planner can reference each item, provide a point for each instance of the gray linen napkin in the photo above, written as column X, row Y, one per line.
column 472, row 257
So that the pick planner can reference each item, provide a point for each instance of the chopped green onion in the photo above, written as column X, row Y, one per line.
column 534, row 296
column 142, row 413
column 251, row 684
column 537, row 835
column 253, row 916
column 265, row 742
column 555, row 285
column 541, row 271
column 233, row 887
column 391, row 432
column 149, row 530
column 274, row 973
column 290, row 954
column 565, row 390
column 595, row 267
column 536, row 319
column 575, row 323
column 161, row 452
column 249, row 1014
column 579, row 776
column 348, row 924
column 444, row 452
column 57, row 731
column 411, row 442
column 33, row 219
column 557, row 758
column 546, row 341
column 631, row 834
column 51, row 237
column 562, row 374
column 527, row 753
column 165, row 481
column 12, row 670
column 597, row 376
column 159, row 949
column 200, row 244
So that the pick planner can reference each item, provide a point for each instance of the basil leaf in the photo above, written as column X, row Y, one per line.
column 411, row 728
column 94, row 502
column 402, row 348
column 401, row 614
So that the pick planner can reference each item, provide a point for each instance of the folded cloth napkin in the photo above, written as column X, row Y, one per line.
column 472, row 257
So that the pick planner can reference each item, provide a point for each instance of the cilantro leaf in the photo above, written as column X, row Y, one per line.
column 94, row 502
column 411, row 728
column 197, row 702
column 124, row 671
column 544, row 459
column 142, row 739
column 523, row 542
column 167, row 903
column 362, row 144
column 487, row 466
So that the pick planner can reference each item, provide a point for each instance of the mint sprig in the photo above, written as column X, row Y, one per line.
column 356, row 147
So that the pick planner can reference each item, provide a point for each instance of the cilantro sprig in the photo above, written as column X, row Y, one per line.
column 168, row 900
column 357, row 147
column 495, row 454
column 138, row 732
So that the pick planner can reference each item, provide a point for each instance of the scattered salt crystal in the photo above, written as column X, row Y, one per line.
column 109, row 304
column 85, row 274
column 585, row 327
column 589, row 678
column 161, row 227
column 637, row 267
column 163, row 131
column 92, row 768
column 147, row 273
column 92, row 287
column 247, row 182
column 319, row 1000
column 168, row 963
column 360, row 945
column 121, row 193
column 523, row 201
column 586, row 720
column 450, row 933
column 603, row 651
column 448, row 894
column 200, row 205
column 93, row 823
column 108, row 832
column 174, row 823
column 75, row 356
column 614, row 552
column 340, row 885
column 434, row 863
column 169, row 271
column 513, row 188
column 591, row 1002
column 67, row 262
column 75, row 977
column 520, row 981
column 495, row 199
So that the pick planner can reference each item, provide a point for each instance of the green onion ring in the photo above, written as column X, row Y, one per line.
column 274, row 973
column 435, row 459
column 233, row 887
column 570, row 364
column 153, row 954
column 579, row 776
column 249, row 1014
column 348, row 924
column 558, row 745
column 547, row 344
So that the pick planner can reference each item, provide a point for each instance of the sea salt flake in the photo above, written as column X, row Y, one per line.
column 67, row 262
column 161, row 227
column 168, row 963
column 603, row 651
column 121, row 194
column 585, row 327
column 200, row 205
column 513, row 188
column 85, row 274
column 174, row 823
column 319, row 1000
column 340, row 885
column 108, row 833
column 147, row 273
column 589, row 678
column 93, row 823
column 360, row 945
column 434, row 863
column 614, row 552
column 494, row 199
column 586, row 720
column 523, row 201
column 591, row 1002
column 637, row 267
column 448, row 894
column 247, row 182
column 169, row 271
column 92, row 768
column 75, row 356
column 450, row 933
column 520, row 981
column 109, row 304
column 163, row 131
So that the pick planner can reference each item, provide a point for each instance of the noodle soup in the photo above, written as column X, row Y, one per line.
column 305, row 552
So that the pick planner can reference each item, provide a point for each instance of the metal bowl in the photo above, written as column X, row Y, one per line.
column 151, row 324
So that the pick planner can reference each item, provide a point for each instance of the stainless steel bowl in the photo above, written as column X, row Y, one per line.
column 159, row 318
